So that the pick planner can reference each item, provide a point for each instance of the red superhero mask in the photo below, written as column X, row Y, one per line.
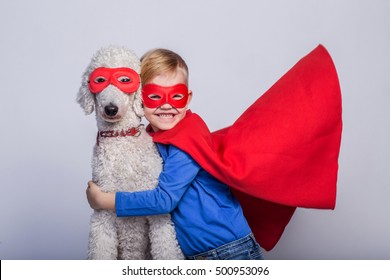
column 155, row 96
column 126, row 79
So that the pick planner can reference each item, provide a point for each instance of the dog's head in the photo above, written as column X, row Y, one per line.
column 106, row 85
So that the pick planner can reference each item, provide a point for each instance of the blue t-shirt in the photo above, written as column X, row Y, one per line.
column 205, row 212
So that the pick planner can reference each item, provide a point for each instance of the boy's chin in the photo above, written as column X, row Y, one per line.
column 165, row 126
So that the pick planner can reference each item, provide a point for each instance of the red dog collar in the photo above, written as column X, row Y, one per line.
column 126, row 79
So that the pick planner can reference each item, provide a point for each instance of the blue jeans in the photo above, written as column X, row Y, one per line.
column 245, row 248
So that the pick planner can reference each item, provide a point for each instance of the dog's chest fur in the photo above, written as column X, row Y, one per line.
column 130, row 163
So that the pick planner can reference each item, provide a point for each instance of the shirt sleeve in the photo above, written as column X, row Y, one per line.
column 178, row 172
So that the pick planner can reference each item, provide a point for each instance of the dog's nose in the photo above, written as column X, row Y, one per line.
column 111, row 110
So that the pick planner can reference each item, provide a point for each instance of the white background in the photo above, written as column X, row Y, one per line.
column 235, row 50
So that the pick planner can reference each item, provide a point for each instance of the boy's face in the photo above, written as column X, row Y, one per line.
column 167, row 116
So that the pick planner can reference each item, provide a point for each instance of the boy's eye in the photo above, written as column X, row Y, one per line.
column 178, row 96
column 100, row 79
column 154, row 96
column 124, row 79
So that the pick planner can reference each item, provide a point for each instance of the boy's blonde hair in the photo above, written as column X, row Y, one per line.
column 158, row 61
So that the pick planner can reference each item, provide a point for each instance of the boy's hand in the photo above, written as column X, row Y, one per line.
column 99, row 200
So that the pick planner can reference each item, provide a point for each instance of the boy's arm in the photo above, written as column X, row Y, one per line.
column 178, row 173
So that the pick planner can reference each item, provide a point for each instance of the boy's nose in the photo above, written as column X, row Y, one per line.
column 166, row 106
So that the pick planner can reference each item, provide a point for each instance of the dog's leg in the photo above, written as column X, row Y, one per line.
column 162, row 234
column 133, row 237
column 103, row 240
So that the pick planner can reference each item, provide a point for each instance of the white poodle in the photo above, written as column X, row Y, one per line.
column 124, row 159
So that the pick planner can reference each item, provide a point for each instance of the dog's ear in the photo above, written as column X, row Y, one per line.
column 85, row 99
column 84, row 96
column 137, row 104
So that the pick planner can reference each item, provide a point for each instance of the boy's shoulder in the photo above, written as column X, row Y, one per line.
column 172, row 151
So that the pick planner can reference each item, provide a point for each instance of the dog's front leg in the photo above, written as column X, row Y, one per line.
column 103, row 239
column 133, row 238
column 162, row 234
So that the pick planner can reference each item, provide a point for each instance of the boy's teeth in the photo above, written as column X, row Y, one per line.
column 165, row 115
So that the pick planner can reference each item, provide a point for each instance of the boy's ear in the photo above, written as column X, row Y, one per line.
column 189, row 97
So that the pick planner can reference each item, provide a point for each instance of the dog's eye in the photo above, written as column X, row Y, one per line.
column 124, row 79
column 154, row 96
column 100, row 80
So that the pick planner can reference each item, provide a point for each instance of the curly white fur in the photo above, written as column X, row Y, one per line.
column 128, row 164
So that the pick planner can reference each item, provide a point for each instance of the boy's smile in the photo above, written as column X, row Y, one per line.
column 166, row 116
column 166, row 113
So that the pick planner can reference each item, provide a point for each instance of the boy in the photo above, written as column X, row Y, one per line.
column 208, row 218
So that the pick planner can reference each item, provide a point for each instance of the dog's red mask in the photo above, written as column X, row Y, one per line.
column 126, row 79
column 155, row 96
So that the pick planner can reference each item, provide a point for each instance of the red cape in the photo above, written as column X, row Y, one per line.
column 281, row 153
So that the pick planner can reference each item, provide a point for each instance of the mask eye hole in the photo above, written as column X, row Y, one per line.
column 100, row 80
column 154, row 97
column 124, row 79
column 178, row 96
